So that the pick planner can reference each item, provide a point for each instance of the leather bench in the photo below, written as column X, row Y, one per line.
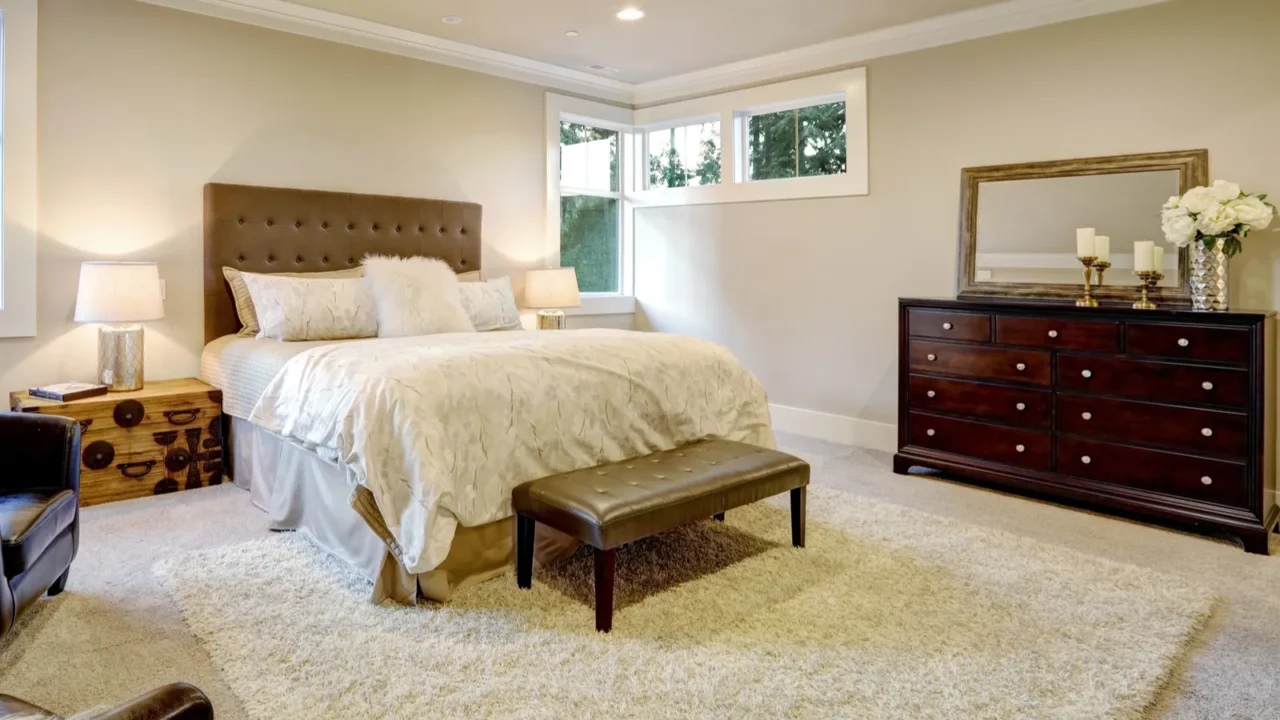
column 611, row 505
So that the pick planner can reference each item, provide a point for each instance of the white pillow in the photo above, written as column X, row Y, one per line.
column 291, row 308
column 415, row 296
column 244, row 303
column 491, row 305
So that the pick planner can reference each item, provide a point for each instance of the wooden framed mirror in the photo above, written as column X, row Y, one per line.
column 1018, row 224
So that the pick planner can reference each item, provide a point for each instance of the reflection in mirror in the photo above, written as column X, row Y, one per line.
column 1026, row 229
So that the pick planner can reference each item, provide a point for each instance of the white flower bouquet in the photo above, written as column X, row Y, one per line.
column 1212, row 214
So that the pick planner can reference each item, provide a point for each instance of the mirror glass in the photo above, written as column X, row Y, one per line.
column 1026, row 229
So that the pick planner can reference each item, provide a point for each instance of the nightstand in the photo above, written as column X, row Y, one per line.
column 160, row 439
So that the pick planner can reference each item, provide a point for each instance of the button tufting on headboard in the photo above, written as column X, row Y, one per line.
column 239, row 233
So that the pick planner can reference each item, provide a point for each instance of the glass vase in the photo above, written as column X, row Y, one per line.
column 1208, row 277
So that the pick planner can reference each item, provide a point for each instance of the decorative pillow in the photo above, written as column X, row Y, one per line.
column 491, row 305
column 244, row 303
column 469, row 277
column 292, row 308
column 415, row 296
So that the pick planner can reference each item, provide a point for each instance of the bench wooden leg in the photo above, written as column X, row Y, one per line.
column 797, row 516
column 606, row 567
column 718, row 517
column 524, row 551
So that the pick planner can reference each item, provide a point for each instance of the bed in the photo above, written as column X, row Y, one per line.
column 397, row 455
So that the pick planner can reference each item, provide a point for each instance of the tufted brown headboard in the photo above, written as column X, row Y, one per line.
column 266, row 230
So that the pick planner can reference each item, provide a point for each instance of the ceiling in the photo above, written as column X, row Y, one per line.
column 675, row 37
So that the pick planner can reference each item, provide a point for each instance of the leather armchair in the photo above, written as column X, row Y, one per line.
column 39, row 508
column 178, row 701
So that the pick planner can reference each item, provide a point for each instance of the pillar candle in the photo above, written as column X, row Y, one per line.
column 1157, row 259
column 1102, row 246
column 1143, row 256
column 1084, row 242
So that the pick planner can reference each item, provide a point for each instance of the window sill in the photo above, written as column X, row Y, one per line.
column 851, row 184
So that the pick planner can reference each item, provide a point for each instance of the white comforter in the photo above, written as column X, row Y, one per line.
column 441, row 428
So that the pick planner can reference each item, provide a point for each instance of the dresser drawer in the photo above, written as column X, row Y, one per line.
column 1211, row 431
column 1018, row 406
column 1024, row 448
column 1027, row 366
column 1167, row 382
column 949, row 325
column 1185, row 476
column 1066, row 334
column 1188, row 342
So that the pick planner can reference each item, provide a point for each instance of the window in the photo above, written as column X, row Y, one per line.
column 684, row 156
column 590, row 205
column 18, row 168
column 803, row 142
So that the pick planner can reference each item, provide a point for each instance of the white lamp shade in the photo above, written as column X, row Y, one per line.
column 119, row 292
column 552, row 288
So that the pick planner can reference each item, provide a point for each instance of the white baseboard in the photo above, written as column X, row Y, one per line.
column 835, row 428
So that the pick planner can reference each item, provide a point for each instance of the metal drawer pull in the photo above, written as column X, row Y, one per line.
column 946, row 326
column 1053, row 333
column 1086, row 459
column 182, row 417
column 1206, row 385
column 131, row 470
column 1021, row 406
column 1087, row 415
column 1206, row 480
column 1022, row 448
column 932, row 357
column 1022, row 366
column 929, row 432
column 1207, row 432
column 1183, row 342
column 931, row 393
column 1086, row 373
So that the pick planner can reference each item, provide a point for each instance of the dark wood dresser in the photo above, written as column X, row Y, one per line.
column 1163, row 413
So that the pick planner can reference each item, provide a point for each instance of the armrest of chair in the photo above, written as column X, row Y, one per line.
column 178, row 701
column 39, row 452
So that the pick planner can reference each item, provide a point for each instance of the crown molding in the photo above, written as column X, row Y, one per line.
column 1004, row 17
column 301, row 20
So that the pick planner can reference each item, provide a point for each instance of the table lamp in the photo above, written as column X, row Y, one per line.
column 119, row 295
column 548, row 291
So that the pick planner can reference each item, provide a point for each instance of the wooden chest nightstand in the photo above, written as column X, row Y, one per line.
column 160, row 439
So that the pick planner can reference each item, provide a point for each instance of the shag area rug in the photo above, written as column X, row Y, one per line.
column 889, row 613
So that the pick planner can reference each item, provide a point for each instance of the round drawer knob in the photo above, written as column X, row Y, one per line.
column 1022, row 366
column 1021, row 448
column 1206, row 385
column 1183, row 342
column 1053, row 333
column 1086, row 373
column 946, row 326
column 1086, row 459
column 932, row 357
column 1207, row 432
column 1206, row 480
column 1086, row 415
column 931, row 393
column 1021, row 406
column 929, row 432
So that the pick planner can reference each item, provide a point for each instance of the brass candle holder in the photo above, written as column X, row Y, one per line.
column 1100, row 266
column 1087, row 300
column 1149, row 280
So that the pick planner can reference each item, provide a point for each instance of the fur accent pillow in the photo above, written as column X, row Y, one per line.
column 415, row 296
column 491, row 305
column 291, row 308
column 244, row 302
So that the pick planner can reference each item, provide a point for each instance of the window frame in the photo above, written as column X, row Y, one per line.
column 18, row 165
column 642, row 139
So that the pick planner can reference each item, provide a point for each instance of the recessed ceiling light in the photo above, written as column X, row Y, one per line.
column 451, row 20
column 630, row 14
column 571, row 33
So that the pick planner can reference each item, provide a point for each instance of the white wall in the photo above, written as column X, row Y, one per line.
column 140, row 106
column 805, row 292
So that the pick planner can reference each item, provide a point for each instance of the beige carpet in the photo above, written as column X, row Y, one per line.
column 901, row 615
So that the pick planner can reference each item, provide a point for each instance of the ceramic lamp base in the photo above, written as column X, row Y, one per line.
column 551, row 320
column 120, row 357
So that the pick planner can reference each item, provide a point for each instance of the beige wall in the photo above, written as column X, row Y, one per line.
column 805, row 292
column 141, row 106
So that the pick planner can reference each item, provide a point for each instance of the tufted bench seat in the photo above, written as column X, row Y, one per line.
column 614, row 504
